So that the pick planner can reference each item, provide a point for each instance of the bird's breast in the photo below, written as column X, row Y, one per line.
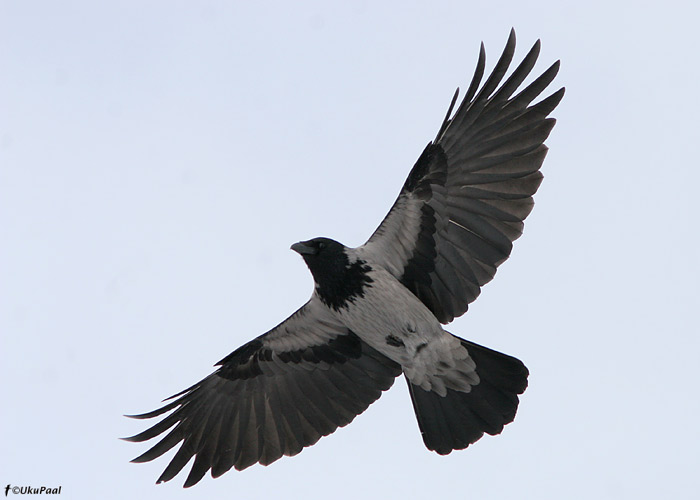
column 390, row 318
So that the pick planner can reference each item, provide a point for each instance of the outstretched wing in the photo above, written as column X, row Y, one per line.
column 465, row 199
column 271, row 397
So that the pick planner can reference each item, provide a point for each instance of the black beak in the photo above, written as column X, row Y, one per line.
column 303, row 249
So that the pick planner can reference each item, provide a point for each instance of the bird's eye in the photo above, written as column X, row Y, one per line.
column 321, row 245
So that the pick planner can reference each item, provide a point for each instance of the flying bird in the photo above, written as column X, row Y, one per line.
column 377, row 310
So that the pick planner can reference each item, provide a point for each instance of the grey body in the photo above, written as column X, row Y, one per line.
column 429, row 356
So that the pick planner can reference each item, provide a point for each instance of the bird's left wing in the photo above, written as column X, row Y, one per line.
column 271, row 397
column 465, row 199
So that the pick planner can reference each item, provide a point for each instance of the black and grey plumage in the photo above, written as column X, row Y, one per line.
column 376, row 310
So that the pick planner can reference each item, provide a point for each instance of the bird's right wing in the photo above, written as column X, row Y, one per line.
column 271, row 397
column 466, row 198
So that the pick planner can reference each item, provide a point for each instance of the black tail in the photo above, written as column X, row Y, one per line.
column 455, row 421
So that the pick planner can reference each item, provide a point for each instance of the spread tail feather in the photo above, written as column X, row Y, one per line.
column 458, row 419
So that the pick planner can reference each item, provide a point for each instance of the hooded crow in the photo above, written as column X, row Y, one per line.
column 377, row 310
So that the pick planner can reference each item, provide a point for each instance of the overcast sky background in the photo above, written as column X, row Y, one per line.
column 157, row 159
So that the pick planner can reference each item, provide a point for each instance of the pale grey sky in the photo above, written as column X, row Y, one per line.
column 157, row 159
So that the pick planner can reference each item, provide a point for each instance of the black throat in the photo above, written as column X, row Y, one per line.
column 339, row 282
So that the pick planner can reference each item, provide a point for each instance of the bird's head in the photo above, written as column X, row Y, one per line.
column 327, row 259
column 339, row 275
column 321, row 252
